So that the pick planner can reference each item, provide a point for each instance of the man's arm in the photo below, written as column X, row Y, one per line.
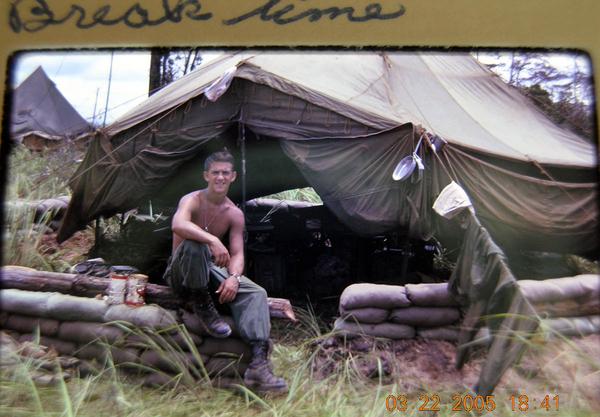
column 186, row 229
column 229, row 287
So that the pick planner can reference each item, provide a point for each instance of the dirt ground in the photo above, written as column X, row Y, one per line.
column 73, row 250
column 568, row 368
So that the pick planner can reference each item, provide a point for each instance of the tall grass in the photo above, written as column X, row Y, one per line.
column 33, row 177
column 564, row 367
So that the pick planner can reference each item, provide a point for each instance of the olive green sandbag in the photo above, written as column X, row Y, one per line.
column 387, row 329
column 449, row 333
column 148, row 316
column 63, row 347
column 369, row 315
column 231, row 345
column 219, row 366
column 171, row 361
column 102, row 352
column 85, row 332
column 373, row 295
column 430, row 295
column 71, row 308
column 29, row 324
column 29, row 303
column 573, row 326
column 569, row 308
column 425, row 316
column 174, row 339
column 556, row 289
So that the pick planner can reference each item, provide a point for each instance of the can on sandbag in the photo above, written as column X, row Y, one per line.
column 136, row 289
column 117, row 285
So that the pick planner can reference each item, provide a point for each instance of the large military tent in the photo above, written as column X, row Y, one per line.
column 341, row 123
column 41, row 115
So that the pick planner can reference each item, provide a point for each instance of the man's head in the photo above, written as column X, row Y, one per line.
column 219, row 171
column 221, row 156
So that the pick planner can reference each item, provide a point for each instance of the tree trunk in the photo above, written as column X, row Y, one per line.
column 28, row 279
column 156, row 70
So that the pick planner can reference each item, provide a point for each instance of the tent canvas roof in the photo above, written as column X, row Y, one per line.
column 39, row 108
column 450, row 94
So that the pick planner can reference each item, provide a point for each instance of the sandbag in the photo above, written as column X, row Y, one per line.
column 193, row 325
column 449, row 333
column 425, row 316
column 430, row 295
column 569, row 308
column 101, row 353
column 84, row 332
column 194, row 360
column 29, row 303
column 3, row 318
column 387, row 330
column 157, row 380
column 231, row 345
column 226, row 382
column 63, row 347
column 28, row 324
column 573, row 326
column 174, row 339
column 165, row 361
column 366, row 315
column 150, row 316
column 373, row 295
column 556, row 289
column 217, row 366
column 71, row 308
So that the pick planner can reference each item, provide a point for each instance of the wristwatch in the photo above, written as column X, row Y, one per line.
column 236, row 277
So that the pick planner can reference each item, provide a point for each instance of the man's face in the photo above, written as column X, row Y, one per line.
column 219, row 176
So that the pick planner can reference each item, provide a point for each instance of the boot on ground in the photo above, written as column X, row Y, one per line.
column 259, row 376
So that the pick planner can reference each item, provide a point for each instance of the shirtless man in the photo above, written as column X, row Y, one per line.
column 199, row 256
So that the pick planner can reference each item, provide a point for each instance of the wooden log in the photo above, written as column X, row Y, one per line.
column 29, row 279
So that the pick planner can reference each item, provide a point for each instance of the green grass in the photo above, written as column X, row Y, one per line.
column 33, row 177
column 564, row 367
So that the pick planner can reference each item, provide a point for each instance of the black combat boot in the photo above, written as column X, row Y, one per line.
column 259, row 376
column 206, row 312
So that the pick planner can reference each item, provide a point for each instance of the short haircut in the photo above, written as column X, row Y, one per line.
column 221, row 156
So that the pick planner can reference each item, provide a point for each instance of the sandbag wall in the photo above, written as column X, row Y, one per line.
column 398, row 312
column 138, row 340
column 569, row 306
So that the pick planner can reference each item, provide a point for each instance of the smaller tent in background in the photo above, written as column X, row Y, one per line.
column 41, row 116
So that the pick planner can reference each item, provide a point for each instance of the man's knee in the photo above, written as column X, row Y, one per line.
column 193, row 248
column 259, row 292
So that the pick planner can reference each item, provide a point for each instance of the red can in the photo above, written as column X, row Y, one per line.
column 116, row 288
column 136, row 289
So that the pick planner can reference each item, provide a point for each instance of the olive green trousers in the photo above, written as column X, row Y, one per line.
column 190, row 268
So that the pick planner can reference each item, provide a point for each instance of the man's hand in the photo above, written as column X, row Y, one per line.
column 228, row 290
column 220, row 252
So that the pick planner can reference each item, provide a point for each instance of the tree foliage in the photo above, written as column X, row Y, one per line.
column 167, row 65
column 560, row 85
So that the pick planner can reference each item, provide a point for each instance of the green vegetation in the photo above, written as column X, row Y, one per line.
column 33, row 177
column 564, row 368
column 307, row 194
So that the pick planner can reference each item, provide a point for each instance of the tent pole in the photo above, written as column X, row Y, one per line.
column 243, row 149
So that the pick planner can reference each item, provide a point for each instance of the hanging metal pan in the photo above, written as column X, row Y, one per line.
column 405, row 168
column 407, row 165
